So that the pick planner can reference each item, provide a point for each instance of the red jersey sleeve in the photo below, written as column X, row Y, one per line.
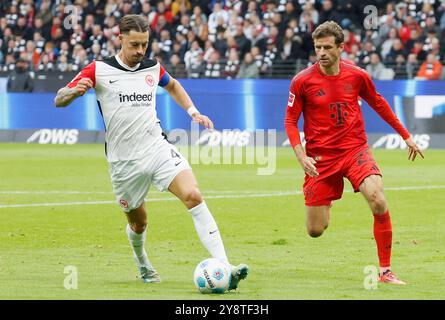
column 88, row 72
column 293, row 112
column 381, row 106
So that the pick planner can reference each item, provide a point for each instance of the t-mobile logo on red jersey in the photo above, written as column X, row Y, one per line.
column 338, row 113
column 135, row 97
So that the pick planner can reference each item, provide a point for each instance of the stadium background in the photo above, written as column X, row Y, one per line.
column 216, row 40
column 212, row 59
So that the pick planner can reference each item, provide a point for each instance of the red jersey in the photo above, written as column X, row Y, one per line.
column 331, row 110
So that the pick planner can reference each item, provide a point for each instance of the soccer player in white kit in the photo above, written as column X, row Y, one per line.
column 135, row 146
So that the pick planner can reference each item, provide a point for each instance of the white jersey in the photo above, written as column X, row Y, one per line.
column 127, row 101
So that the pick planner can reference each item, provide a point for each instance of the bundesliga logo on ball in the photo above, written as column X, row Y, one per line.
column 212, row 276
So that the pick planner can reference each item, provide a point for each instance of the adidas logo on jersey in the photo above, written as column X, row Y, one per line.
column 135, row 97
column 320, row 93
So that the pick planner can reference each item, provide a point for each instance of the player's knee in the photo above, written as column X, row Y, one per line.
column 315, row 232
column 139, row 227
column 378, row 203
column 193, row 198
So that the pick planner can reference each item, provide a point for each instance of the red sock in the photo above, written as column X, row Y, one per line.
column 383, row 237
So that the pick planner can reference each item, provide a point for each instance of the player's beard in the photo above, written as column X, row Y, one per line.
column 138, row 58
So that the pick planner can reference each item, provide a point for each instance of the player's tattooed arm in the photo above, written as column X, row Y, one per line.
column 66, row 95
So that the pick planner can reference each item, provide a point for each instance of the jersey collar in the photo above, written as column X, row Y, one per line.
column 123, row 65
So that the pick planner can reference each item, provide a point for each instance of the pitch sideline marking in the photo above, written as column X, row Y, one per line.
column 225, row 196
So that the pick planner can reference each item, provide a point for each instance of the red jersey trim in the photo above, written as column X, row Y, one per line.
column 88, row 72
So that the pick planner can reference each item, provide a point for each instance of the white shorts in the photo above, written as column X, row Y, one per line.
column 131, row 179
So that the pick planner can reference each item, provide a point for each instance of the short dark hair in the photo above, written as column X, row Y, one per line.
column 133, row 22
column 329, row 28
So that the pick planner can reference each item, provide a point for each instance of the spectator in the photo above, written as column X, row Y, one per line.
column 257, row 56
column 270, row 56
column 9, row 64
column 213, row 67
column 408, row 25
column 375, row 68
column 243, row 44
column 176, row 67
column 412, row 66
column 248, row 68
column 184, row 26
column 62, row 64
column 200, row 28
column 233, row 65
column 418, row 51
column 400, row 71
column 409, row 45
column 365, row 55
column 180, row 46
column 396, row 49
column 44, row 13
column 197, row 11
column 219, row 17
column 20, row 79
column 350, row 40
column 401, row 12
column 22, row 29
column 221, row 41
column 165, row 44
column 289, row 14
column 161, row 24
column 436, row 49
column 431, row 69
column 289, row 48
column 180, row 7
column 194, row 62
column 45, row 63
column 388, row 43
column 430, row 25
column 328, row 12
column 310, row 10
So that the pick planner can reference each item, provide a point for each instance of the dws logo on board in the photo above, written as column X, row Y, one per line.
column 225, row 138
column 394, row 141
column 54, row 136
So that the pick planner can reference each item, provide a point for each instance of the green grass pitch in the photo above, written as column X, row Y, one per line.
column 261, row 222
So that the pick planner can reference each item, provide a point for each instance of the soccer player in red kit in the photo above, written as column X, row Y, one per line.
column 327, row 93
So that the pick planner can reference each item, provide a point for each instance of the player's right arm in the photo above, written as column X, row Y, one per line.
column 293, row 112
column 77, row 87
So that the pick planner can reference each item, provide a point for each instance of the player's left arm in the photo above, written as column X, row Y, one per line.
column 178, row 93
column 382, row 107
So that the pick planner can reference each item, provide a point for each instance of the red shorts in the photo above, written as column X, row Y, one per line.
column 355, row 164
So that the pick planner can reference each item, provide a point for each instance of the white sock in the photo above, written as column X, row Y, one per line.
column 137, row 242
column 208, row 231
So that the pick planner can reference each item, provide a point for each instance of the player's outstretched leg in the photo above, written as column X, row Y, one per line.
column 239, row 273
column 185, row 187
column 137, row 233
column 372, row 190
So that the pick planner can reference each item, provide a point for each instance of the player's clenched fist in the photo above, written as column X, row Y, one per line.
column 83, row 85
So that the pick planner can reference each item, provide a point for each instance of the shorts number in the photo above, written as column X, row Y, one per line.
column 175, row 154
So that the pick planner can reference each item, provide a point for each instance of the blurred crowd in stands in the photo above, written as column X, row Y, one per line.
column 225, row 39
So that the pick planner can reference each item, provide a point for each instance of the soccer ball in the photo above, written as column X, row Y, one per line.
column 212, row 276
